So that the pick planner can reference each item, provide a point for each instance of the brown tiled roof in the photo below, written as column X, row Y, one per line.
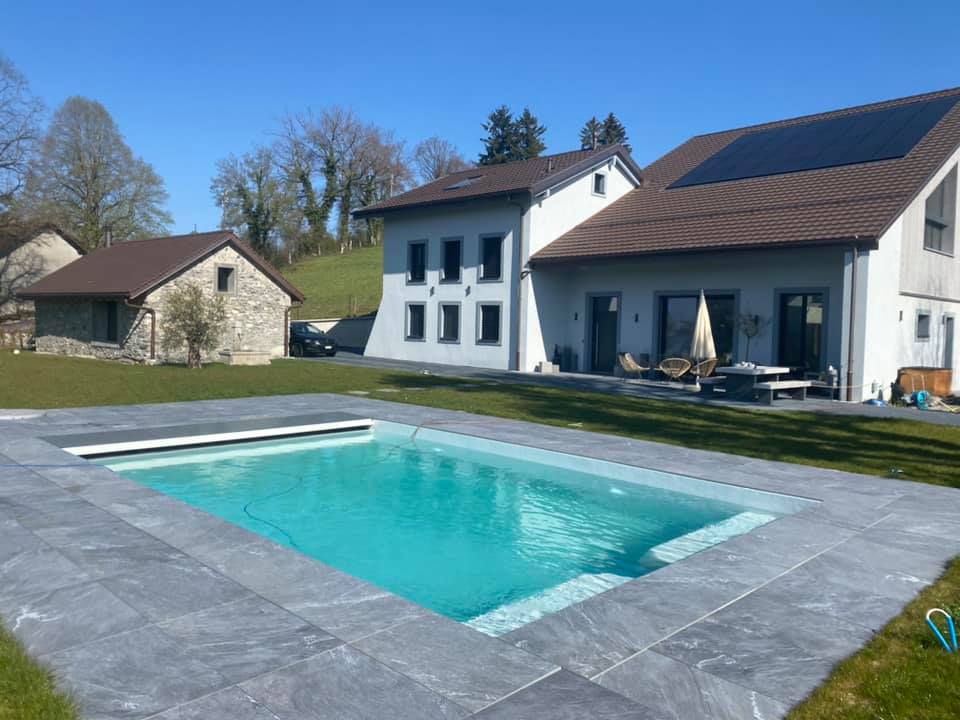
column 830, row 205
column 523, row 176
column 134, row 268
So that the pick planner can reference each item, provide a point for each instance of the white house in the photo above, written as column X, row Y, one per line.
column 836, row 231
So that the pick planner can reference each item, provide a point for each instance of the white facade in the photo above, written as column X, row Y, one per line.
column 548, row 307
column 29, row 262
column 525, row 227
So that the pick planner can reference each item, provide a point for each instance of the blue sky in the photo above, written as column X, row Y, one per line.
column 190, row 83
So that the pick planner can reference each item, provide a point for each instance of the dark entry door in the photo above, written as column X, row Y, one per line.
column 604, row 319
column 801, row 331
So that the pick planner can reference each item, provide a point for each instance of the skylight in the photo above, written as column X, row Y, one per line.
column 466, row 182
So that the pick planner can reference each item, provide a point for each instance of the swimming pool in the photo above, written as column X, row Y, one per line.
column 488, row 533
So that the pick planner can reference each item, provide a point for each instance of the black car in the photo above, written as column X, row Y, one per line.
column 307, row 340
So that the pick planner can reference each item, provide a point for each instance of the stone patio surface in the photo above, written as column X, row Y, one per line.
column 147, row 607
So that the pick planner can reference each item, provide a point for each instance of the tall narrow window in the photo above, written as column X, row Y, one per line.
column 416, row 321
column 488, row 325
column 452, row 256
column 599, row 184
column 491, row 258
column 226, row 279
column 417, row 262
column 941, row 211
column 923, row 325
column 449, row 322
column 105, row 321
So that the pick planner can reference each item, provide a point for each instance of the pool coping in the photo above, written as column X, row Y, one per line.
column 746, row 628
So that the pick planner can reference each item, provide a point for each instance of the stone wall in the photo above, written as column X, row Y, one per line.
column 255, row 317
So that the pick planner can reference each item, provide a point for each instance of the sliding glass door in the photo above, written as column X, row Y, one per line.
column 801, row 331
column 678, row 314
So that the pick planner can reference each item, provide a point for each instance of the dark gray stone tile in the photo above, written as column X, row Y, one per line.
column 929, row 545
column 344, row 684
column 889, row 558
column 868, row 574
column 565, row 696
column 38, row 569
column 344, row 605
column 922, row 522
column 787, row 541
column 110, row 548
column 133, row 674
column 675, row 691
column 806, row 589
column 247, row 637
column 454, row 660
column 759, row 643
column 165, row 590
column 262, row 565
column 50, row 621
column 231, row 703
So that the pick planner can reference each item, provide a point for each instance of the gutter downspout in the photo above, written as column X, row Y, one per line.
column 286, row 326
column 851, row 339
column 521, row 275
column 153, row 324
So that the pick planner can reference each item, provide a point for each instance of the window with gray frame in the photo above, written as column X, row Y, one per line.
column 923, row 325
column 226, row 279
column 941, row 211
column 452, row 257
column 599, row 184
column 449, row 322
column 105, row 321
column 416, row 321
column 417, row 262
column 491, row 258
column 488, row 324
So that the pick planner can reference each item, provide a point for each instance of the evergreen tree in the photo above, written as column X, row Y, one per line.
column 500, row 144
column 614, row 132
column 591, row 134
column 529, row 135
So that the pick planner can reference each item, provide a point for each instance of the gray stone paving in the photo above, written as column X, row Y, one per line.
column 147, row 607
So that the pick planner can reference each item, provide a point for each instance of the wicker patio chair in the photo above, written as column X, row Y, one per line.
column 674, row 368
column 705, row 368
column 630, row 367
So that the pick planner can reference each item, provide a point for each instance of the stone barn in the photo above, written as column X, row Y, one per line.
column 110, row 303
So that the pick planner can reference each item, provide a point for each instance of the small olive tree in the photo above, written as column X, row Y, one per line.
column 752, row 326
column 193, row 319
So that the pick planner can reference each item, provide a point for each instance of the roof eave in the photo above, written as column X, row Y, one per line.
column 614, row 151
column 374, row 211
column 863, row 242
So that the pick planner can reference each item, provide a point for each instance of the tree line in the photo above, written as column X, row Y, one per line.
column 289, row 198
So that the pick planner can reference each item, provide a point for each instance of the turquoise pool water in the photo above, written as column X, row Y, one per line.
column 486, row 533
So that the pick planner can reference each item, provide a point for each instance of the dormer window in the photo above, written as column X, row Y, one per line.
column 599, row 184
column 941, row 215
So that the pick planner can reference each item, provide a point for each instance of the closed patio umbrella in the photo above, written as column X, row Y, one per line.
column 702, row 347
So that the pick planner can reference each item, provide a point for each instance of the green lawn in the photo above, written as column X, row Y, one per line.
column 26, row 690
column 900, row 675
column 339, row 285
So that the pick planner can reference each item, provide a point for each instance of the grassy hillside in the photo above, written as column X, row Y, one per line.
column 339, row 285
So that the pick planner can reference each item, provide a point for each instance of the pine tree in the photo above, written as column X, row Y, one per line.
column 529, row 133
column 591, row 134
column 500, row 144
column 614, row 132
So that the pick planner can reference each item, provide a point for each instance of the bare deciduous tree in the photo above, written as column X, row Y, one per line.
column 86, row 178
column 19, row 122
column 435, row 158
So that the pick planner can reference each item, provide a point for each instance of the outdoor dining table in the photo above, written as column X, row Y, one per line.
column 741, row 381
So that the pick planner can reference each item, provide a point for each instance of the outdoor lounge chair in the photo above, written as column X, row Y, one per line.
column 705, row 368
column 630, row 367
column 674, row 368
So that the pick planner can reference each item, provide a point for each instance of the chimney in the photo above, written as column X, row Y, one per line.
column 549, row 165
column 108, row 238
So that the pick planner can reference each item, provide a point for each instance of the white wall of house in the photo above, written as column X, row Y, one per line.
column 754, row 277
column 28, row 263
column 539, row 223
column 904, row 280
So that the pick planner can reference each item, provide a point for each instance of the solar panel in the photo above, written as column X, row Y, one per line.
column 865, row 137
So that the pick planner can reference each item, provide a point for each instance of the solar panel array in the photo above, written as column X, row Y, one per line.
column 863, row 137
